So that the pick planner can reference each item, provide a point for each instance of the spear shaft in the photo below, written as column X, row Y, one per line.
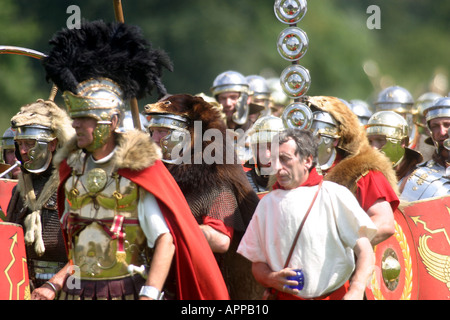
column 118, row 11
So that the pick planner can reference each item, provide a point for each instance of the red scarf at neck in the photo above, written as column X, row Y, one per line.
column 313, row 180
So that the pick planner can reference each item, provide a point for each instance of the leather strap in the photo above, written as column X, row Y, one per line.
column 272, row 294
column 301, row 226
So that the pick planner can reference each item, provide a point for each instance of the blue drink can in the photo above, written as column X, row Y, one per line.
column 300, row 278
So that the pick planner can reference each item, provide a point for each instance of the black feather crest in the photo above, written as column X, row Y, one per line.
column 112, row 50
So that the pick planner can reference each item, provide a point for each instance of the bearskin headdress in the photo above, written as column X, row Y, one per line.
column 47, row 114
column 360, row 157
column 353, row 137
column 193, row 108
column 115, row 51
column 200, row 181
column 199, row 114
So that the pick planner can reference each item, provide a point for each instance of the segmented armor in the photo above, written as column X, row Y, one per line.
column 427, row 181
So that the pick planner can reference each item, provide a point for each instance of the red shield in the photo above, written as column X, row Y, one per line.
column 430, row 220
column 415, row 262
column 6, row 186
column 396, row 275
column 14, row 283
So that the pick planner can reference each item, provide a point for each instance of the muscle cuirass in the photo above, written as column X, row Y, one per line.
column 427, row 181
column 102, row 222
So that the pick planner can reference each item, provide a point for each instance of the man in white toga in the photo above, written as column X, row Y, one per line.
column 333, row 249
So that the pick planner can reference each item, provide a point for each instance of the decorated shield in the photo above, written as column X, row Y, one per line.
column 14, row 282
column 396, row 275
column 6, row 186
column 430, row 221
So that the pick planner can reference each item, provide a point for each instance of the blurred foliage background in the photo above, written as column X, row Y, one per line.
column 206, row 37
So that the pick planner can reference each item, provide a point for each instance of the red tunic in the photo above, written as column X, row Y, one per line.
column 371, row 187
column 198, row 275
column 218, row 225
column 374, row 186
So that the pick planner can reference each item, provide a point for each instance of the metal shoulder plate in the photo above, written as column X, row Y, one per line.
column 427, row 181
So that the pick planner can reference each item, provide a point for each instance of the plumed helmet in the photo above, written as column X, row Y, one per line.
column 100, row 99
column 396, row 99
column 115, row 51
column 100, row 67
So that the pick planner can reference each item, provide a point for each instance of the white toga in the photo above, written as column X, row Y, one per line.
column 324, row 249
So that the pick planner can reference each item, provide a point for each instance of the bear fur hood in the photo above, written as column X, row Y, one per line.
column 47, row 114
column 359, row 156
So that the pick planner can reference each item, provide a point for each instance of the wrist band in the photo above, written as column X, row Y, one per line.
column 52, row 286
column 151, row 292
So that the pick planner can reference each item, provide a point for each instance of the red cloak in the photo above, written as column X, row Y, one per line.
column 198, row 275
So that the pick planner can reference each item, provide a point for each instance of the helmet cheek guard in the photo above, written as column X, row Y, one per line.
column 326, row 129
column 39, row 155
column 40, row 158
column 175, row 144
column 100, row 135
column 395, row 128
column 394, row 150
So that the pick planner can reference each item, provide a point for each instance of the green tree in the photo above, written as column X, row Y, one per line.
column 18, row 80
column 206, row 37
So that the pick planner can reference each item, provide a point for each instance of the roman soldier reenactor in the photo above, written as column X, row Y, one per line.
column 345, row 157
column 128, row 228
column 387, row 131
column 210, row 177
column 41, row 129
